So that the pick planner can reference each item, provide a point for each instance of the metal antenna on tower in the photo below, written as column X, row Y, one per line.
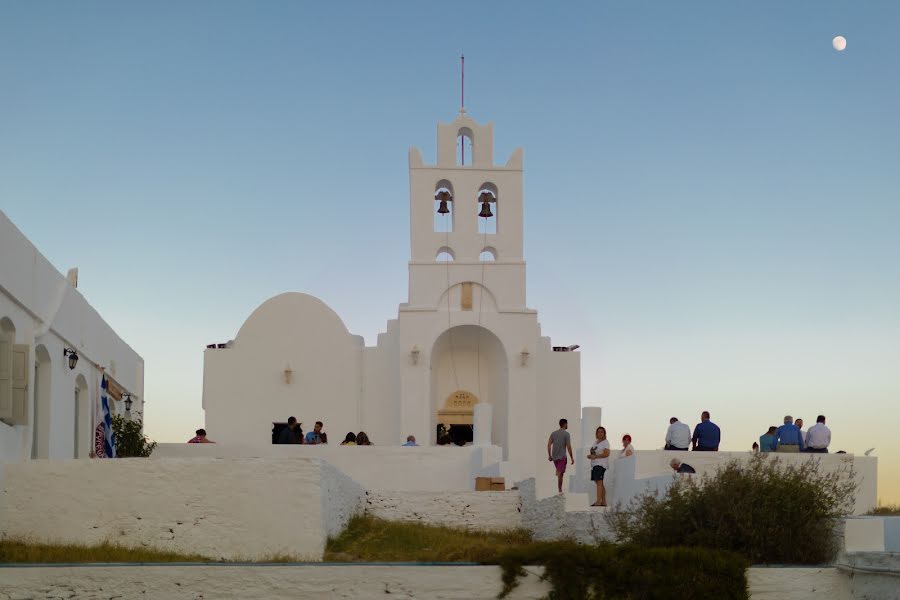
column 462, row 105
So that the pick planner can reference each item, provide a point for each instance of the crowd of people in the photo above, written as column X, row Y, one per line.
column 706, row 437
column 292, row 433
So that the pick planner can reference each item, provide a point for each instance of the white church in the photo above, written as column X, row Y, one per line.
column 464, row 349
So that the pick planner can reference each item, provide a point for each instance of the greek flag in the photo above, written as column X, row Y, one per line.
column 104, row 442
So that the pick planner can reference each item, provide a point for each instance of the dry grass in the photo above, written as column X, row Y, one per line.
column 370, row 539
column 22, row 551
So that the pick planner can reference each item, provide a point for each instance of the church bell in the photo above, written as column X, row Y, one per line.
column 485, row 200
column 443, row 197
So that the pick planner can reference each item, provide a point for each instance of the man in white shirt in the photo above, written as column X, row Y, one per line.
column 818, row 438
column 678, row 437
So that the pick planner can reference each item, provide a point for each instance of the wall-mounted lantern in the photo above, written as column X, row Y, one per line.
column 128, row 401
column 414, row 355
column 525, row 354
column 73, row 357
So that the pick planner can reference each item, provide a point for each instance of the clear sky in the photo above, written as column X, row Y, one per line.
column 712, row 205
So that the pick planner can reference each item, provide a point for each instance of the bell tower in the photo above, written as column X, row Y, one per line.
column 465, row 210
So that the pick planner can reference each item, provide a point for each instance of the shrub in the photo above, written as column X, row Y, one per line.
column 764, row 509
column 611, row 572
column 885, row 510
column 130, row 438
column 575, row 572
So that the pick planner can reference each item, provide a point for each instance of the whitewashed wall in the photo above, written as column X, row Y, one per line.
column 276, row 582
column 484, row 511
column 271, row 582
column 392, row 468
column 244, row 386
column 46, row 310
column 224, row 509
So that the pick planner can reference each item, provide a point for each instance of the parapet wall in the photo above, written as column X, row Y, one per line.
column 387, row 468
column 232, row 509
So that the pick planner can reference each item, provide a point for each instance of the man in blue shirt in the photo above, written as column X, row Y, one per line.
column 706, row 435
column 314, row 436
column 788, row 438
column 767, row 440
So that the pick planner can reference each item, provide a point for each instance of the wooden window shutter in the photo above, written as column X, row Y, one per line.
column 466, row 297
column 20, row 384
column 5, row 379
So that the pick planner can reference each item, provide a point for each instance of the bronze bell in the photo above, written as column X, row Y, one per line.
column 485, row 199
column 443, row 198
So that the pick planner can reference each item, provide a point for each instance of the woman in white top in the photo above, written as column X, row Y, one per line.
column 627, row 448
column 599, row 458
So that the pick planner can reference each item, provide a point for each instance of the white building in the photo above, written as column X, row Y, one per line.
column 464, row 337
column 46, row 407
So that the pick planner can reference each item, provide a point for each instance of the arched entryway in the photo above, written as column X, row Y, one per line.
column 82, row 423
column 40, row 439
column 469, row 366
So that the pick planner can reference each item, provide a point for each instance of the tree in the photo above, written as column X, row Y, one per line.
column 130, row 438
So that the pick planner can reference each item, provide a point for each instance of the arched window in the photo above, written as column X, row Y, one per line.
column 487, row 208
column 443, row 207
column 445, row 254
column 464, row 146
column 488, row 255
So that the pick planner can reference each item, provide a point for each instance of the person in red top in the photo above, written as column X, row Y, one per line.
column 200, row 438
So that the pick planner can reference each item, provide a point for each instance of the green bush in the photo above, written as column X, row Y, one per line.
column 620, row 572
column 130, row 438
column 764, row 509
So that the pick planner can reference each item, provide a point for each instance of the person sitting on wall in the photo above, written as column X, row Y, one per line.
column 362, row 439
column 799, row 423
column 349, row 439
column 323, row 437
column 707, row 435
column 200, row 438
column 767, row 440
column 818, row 438
column 678, row 436
column 754, row 448
column 787, row 438
column 314, row 436
column 410, row 441
column 287, row 435
column 680, row 467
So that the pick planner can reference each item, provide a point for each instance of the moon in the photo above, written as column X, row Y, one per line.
column 839, row 42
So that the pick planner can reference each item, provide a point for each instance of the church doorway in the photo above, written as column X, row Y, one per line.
column 468, row 367
column 456, row 419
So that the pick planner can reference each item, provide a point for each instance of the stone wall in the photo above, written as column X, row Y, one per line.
column 224, row 509
column 548, row 519
column 473, row 510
